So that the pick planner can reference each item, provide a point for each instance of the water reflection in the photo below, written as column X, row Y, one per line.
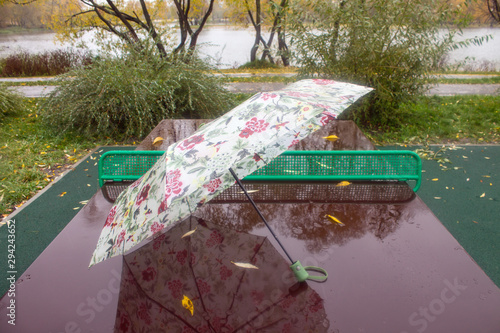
column 191, row 284
column 305, row 220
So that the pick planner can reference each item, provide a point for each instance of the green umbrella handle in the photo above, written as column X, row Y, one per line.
column 302, row 274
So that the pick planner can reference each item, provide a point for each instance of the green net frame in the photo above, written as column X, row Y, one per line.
column 336, row 165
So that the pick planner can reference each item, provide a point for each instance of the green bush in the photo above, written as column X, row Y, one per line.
column 258, row 64
column 389, row 45
column 10, row 102
column 131, row 94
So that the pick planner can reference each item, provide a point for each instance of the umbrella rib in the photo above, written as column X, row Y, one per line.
column 260, row 214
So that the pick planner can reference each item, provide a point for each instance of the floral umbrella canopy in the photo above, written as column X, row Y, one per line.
column 199, row 283
column 195, row 170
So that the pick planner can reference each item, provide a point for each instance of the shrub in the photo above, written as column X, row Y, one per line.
column 10, row 102
column 43, row 64
column 129, row 95
column 389, row 45
column 258, row 64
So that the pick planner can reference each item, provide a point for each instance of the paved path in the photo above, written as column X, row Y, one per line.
column 253, row 87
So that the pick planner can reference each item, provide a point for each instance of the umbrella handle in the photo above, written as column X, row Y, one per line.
column 302, row 274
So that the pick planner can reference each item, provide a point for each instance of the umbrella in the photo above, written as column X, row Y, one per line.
column 200, row 283
column 195, row 170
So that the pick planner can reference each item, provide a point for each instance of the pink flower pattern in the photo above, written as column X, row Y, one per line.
column 143, row 195
column 143, row 313
column 149, row 274
column 213, row 185
column 175, row 288
column 156, row 227
column 190, row 142
column 225, row 273
column 215, row 239
column 254, row 126
column 173, row 186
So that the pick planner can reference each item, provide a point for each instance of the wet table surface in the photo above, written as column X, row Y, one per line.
column 392, row 266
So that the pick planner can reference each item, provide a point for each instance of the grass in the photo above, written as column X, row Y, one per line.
column 32, row 156
column 445, row 119
column 484, row 80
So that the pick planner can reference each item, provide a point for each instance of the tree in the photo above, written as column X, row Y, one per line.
column 132, row 21
column 264, row 13
column 390, row 45
column 494, row 9
column 184, row 9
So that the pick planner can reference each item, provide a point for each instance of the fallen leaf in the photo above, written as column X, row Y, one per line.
column 188, row 304
column 249, row 191
column 334, row 219
column 437, row 198
column 475, row 222
column 435, row 179
column 76, row 208
column 486, row 176
column 244, row 265
column 62, row 194
column 189, row 233
column 157, row 141
column 84, row 202
column 331, row 138
column 343, row 183
column 487, row 158
column 482, row 195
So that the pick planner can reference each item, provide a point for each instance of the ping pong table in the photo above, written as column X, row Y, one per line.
column 393, row 267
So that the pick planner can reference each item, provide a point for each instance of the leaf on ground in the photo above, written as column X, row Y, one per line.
column 62, row 194
column 482, row 195
column 249, row 191
column 335, row 220
column 188, row 304
column 331, row 138
column 189, row 233
column 157, row 141
column 244, row 265
column 343, row 183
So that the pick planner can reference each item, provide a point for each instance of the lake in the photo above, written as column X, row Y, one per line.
column 230, row 46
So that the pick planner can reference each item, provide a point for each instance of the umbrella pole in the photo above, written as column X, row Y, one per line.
column 260, row 214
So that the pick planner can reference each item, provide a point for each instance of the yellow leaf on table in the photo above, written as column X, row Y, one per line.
column 188, row 304
column 334, row 219
column 343, row 183
column 331, row 138
column 244, row 265
column 189, row 233
column 157, row 141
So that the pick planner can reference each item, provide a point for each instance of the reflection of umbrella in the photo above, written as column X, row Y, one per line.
column 166, row 278
column 196, row 169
